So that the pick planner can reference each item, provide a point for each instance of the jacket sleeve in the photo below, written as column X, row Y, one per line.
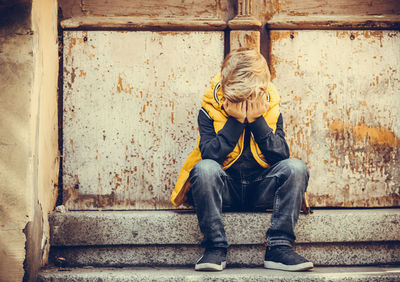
column 272, row 145
column 216, row 146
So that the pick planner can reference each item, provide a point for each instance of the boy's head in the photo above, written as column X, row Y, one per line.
column 244, row 73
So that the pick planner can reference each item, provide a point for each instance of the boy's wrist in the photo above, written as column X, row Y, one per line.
column 241, row 120
column 252, row 119
column 260, row 127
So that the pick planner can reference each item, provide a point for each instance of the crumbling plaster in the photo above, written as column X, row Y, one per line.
column 28, row 134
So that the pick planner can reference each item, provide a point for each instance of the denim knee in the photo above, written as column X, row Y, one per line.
column 296, row 172
column 206, row 174
column 206, row 168
column 297, row 167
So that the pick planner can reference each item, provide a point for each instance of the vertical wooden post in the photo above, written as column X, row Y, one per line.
column 245, row 29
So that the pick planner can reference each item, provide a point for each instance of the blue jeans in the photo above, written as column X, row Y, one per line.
column 280, row 187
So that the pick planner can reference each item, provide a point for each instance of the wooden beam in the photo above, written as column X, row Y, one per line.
column 244, row 22
column 334, row 22
column 135, row 23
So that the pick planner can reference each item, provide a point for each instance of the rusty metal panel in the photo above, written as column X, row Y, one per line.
column 341, row 104
column 131, row 101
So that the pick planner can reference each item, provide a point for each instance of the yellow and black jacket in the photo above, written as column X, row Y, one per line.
column 222, row 137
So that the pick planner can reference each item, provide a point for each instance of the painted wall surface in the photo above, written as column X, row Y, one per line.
column 28, row 134
column 340, row 90
column 44, row 21
column 16, row 79
column 131, row 101
column 341, row 105
column 130, row 113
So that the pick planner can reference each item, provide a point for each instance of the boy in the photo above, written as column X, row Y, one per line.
column 242, row 163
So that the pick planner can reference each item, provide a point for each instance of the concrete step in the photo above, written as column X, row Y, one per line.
column 229, row 274
column 160, row 238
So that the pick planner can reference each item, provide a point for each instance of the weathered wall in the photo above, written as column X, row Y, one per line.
column 131, row 101
column 332, row 121
column 44, row 22
column 330, row 14
column 150, row 9
column 16, row 82
column 340, row 101
column 27, row 123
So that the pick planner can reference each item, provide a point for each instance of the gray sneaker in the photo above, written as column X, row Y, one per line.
column 214, row 259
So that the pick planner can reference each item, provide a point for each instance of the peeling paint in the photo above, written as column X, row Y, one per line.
column 127, row 149
column 363, row 132
column 340, row 105
column 244, row 39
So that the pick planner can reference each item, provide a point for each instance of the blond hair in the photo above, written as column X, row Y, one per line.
column 244, row 72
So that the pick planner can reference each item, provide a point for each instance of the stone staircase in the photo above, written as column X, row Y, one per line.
column 355, row 244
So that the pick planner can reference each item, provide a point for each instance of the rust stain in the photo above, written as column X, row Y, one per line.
column 250, row 41
column 82, row 73
column 373, row 34
column 273, row 62
column 72, row 144
column 76, row 178
column 340, row 34
column 374, row 135
column 296, row 13
column 338, row 125
column 367, row 34
column 73, row 198
column 279, row 35
column 72, row 43
column 73, row 75
column 120, row 87
column 118, row 181
column 362, row 132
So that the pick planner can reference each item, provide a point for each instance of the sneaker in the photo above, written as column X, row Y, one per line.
column 284, row 258
column 214, row 259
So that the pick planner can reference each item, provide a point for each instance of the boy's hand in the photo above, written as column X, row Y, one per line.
column 236, row 110
column 256, row 108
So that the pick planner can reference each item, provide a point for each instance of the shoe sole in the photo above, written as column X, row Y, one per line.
column 210, row 266
column 280, row 266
